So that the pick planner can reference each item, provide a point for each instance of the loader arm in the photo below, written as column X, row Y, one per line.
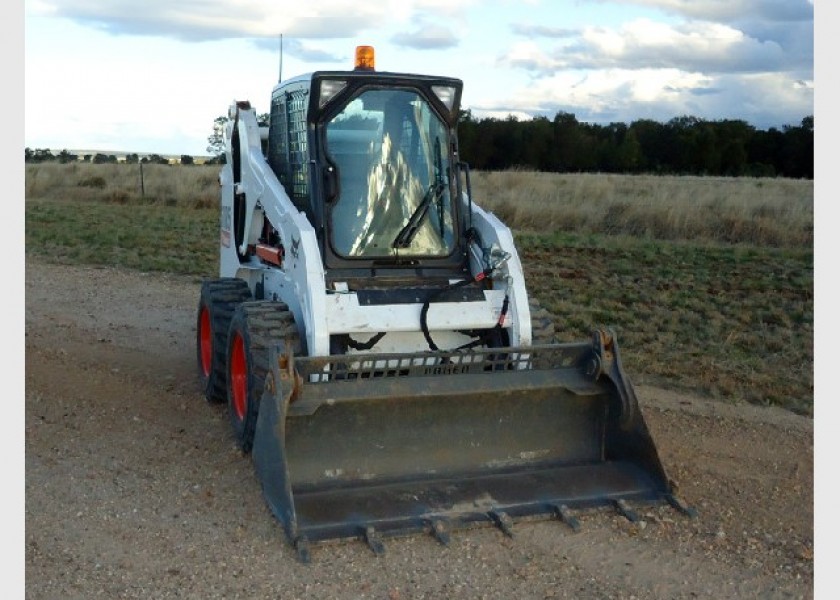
column 301, row 276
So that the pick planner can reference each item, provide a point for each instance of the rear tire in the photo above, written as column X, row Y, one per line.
column 255, row 328
column 219, row 298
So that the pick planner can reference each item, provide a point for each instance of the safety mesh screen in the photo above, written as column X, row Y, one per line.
column 288, row 153
column 433, row 364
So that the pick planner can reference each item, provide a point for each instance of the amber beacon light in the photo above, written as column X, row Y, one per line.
column 364, row 58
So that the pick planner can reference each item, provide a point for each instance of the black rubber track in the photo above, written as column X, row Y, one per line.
column 262, row 325
column 221, row 297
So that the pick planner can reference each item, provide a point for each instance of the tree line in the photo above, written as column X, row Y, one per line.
column 39, row 155
column 682, row 146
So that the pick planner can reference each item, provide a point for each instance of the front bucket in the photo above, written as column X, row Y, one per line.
column 399, row 443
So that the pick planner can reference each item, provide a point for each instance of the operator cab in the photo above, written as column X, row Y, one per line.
column 371, row 158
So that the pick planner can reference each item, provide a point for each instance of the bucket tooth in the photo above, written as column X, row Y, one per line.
column 303, row 550
column 441, row 531
column 374, row 541
column 565, row 515
column 681, row 506
column 502, row 521
column 624, row 510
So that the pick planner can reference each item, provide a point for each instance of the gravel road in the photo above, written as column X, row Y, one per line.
column 135, row 489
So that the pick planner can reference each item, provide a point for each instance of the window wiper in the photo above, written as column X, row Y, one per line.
column 407, row 233
column 433, row 194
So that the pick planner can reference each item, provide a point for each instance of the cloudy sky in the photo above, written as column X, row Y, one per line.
column 120, row 75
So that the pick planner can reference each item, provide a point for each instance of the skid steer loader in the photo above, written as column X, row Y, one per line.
column 372, row 335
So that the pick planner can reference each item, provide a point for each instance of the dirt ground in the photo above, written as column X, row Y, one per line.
column 134, row 488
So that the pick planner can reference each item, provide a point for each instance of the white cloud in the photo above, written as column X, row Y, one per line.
column 618, row 95
column 434, row 24
column 194, row 20
column 528, row 55
column 427, row 36
column 646, row 44
column 608, row 90
column 730, row 10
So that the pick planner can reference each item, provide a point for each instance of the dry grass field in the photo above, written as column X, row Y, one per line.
column 759, row 211
column 708, row 282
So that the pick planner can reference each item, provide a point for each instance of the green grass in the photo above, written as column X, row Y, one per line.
column 142, row 237
column 730, row 321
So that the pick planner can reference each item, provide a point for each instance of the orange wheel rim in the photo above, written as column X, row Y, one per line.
column 206, row 342
column 239, row 377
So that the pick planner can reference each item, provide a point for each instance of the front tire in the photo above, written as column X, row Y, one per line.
column 254, row 329
column 219, row 298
